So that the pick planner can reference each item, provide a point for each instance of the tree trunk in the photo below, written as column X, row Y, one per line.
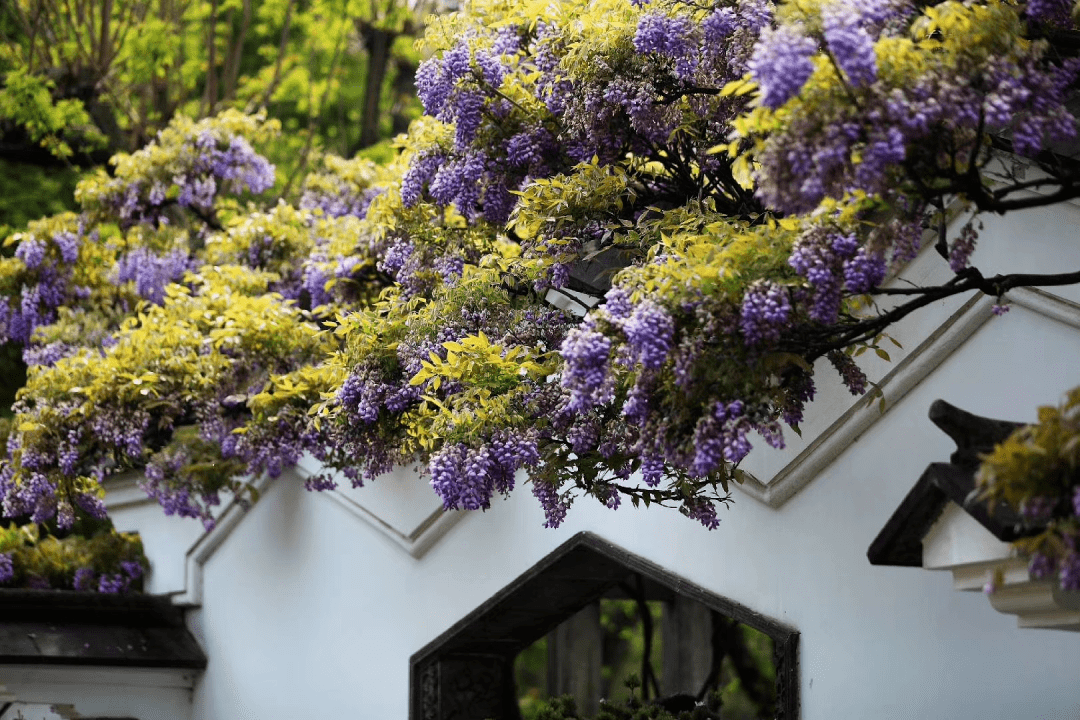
column 378, row 43
column 404, row 90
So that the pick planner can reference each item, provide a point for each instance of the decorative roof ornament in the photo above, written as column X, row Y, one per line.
column 943, row 524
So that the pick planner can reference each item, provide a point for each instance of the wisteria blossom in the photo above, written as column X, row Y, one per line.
column 604, row 264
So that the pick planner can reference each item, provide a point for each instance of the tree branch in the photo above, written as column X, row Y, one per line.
column 283, row 45
column 827, row 339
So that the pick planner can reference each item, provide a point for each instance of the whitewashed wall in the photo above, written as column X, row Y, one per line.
column 97, row 692
column 310, row 605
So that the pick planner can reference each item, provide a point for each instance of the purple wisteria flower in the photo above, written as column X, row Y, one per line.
column 162, row 482
column 1054, row 12
column 345, row 199
column 961, row 248
column 31, row 251
column 321, row 482
column 720, row 437
column 864, row 271
column 876, row 14
column 863, row 144
column 68, row 244
column 1042, row 565
column 421, row 172
column 719, row 25
column 151, row 272
column 814, row 258
column 766, row 309
column 201, row 166
column 663, row 34
column 432, row 86
column 132, row 569
column 781, row 64
column 466, row 478
column 7, row 568
column 456, row 61
column 528, row 149
column 586, row 354
column 1038, row 509
column 554, row 504
column 851, row 374
column 703, row 511
column 649, row 333
column 47, row 355
column 652, row 469
column 755, row 14
column 468, row 113
column 46, row 286
column 457, row 182
column 801, row 390
column 850, row 45
column 84, row 579
column 241, row 166
column 1070, row 571
column 113, row 584
column 507, row 40
column 35, row 496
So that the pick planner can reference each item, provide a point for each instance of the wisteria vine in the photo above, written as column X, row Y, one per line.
column 603, row 263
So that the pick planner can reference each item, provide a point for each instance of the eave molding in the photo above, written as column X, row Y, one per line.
column 1035, row 603
column 208, row 543
column 123, row 491
column 416, row 542
column 25, row 674
column 860, row 416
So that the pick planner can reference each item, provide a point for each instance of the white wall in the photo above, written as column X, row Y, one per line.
column 305, row 606
column 101, row 692
column 307, row 610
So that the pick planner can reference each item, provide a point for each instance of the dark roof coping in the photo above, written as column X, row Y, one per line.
column 900, row 541
column 579, row 571
column 57, row 627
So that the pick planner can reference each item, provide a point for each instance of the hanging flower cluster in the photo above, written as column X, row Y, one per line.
column 604, row 262
column 187, row 166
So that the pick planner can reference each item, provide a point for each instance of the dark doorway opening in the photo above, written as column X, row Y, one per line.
column 468, row 673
